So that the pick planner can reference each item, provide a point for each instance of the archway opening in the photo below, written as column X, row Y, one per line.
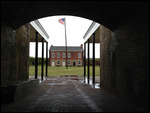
column 130, row 63
column 76, row 29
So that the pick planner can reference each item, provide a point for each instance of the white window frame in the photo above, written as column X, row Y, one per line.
column 64, row 55
column 53, row 55
column 58, row 54
column 58, row 61
column 69, row 63
column 69, row 54
column 79, row 61
column 79, row 55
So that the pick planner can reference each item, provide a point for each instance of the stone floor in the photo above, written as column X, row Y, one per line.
column 62, row 94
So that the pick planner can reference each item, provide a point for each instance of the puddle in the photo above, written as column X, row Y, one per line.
column 51, row 79
column 72, row 77
column 56, row 84
column 96, row 86
column 69, row 78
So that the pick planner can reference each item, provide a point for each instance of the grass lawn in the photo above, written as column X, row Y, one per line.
column 57, row 71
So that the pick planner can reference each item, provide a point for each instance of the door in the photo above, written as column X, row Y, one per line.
column 53, row 63
column 74, row 63
column 63, row 63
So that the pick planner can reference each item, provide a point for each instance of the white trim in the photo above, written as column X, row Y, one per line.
column 78, row 62
column 68, row 55
column 57, row 54
column 39, row 28
column 53, row 63
column 79, row 56
column 91, row 30
column 57, row 62
column 63, row 63
column 70, row 62
column 52, row 54
column 63, row 55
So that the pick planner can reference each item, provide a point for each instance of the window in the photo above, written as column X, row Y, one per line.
column 69, row 62
column 79, row 55
column 53, row 55
column 79, row 62
column 58, row 62
column 58, row 55
column 69, row 55
column 63, row 55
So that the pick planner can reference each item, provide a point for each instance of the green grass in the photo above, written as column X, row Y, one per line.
column 57, row 71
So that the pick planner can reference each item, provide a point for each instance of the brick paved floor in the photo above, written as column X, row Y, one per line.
column 59, row 94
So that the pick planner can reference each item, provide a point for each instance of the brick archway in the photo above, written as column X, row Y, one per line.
column 129, row 22
column 110, row 14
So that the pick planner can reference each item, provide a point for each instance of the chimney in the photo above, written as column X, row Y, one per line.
column 81, row 45
column 50, row 47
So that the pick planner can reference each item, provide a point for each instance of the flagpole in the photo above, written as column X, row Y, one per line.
column 66, row 45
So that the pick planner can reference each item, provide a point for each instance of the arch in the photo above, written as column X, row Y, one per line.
column 110, row 14
column 129, row 22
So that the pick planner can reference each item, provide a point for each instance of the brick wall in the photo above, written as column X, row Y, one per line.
column 74, row 57
column 22, row 52
column 7, row 55
column 105, row 56
column 125, row 60
column 14, row 54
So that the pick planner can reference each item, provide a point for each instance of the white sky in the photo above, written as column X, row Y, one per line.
column 76, row 27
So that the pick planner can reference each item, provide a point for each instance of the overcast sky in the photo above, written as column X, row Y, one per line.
column 76, row 27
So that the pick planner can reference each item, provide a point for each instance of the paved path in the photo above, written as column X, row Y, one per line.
column 59, row 94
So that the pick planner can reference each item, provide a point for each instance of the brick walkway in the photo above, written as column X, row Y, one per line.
column 60, row 94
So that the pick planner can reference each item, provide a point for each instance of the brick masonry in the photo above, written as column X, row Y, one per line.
column 60, row 94
column 14, row 54
column 105, row 58
column 125, row 60
column 73, row 58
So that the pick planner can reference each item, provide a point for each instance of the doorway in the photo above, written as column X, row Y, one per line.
column 53, row 63
column 63, row 63
column 74, row 63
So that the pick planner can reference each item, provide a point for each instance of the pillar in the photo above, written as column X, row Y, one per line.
column 93, row 40
column 46, row 57
column 88, row 61
column 36, row 56
column 42, row 72
column 84, row 61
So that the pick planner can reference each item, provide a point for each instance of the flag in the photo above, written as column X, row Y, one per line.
column 62, row 21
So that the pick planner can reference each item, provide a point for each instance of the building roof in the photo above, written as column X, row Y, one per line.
column 93, row 27
column 63, row 48
column 36, row 26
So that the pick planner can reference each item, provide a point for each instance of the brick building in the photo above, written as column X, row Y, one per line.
column 57, row 55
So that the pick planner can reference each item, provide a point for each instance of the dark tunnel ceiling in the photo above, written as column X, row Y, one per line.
column 111, row 14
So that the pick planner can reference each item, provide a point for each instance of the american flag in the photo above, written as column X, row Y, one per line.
column 62, row 21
